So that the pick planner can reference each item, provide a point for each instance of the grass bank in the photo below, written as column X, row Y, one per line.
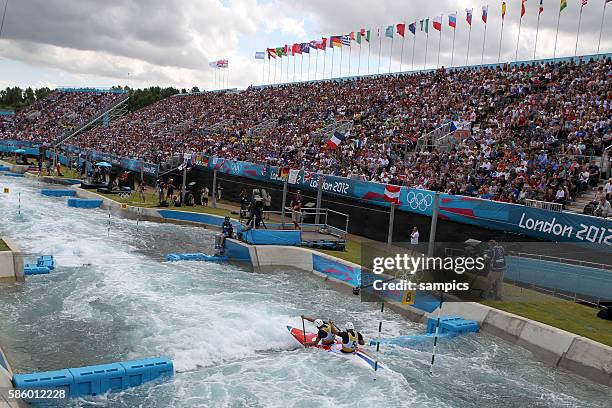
column 3, row 246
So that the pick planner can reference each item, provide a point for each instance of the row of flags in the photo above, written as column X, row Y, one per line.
column 219, row 64
column 338, row 41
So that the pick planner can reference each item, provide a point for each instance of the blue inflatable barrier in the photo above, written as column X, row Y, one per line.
column 140, row 371
column 272, row 237
column 14, row 174
column 46, row 260
column 58, row 193
column 197, row 256
column 35, row 270
column 5, row 168
column 452, row 324
column 84, row 202
column 98, row 379
column 49, row 380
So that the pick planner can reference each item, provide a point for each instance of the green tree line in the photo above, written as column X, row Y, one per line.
column 15, row 98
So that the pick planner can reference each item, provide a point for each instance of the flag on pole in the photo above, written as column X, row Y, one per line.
column 352, row 36
column 437, row 23
column 562, row 5
column 271, row 53
column 305, row 48
column 313, row 44
column 485, row 13
column 296, row 49
column 367, row 35
column 222, row 63
column 584, row 2
column 335, row 41
column 523, row 8
column 260, row 55
column 412, row 28
column 389, row 31
column 213, row 64
column 424, row 25
column 336, row 139
column 541, row 9
column 504, row 9
column 452, row 20
column 346, row 40
column 323, row 43
column 392, row 193
column 468, row 16
column 401, row 29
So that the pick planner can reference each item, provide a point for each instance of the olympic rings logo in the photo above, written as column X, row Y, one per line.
column 419, row 201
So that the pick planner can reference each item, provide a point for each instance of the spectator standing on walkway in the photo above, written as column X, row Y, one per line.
column 496, row 257
column 414, row 239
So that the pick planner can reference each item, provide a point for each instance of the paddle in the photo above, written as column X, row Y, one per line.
column 304, row 330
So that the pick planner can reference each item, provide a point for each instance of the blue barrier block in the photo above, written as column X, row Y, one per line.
column 140, row 371
column 197, row 256
column 460, row 326
column 35, row 270
column 98, row 379
column 46, row 260
column 5, row 168
column 433, row 321
column 58, row 193
column 14, row 175
column 60, row 379
column 84, row 202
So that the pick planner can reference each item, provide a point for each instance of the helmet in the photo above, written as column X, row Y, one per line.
column 349, row 326
column 318, row 323
column 227, row 218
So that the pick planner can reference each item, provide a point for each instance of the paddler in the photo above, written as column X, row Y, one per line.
column 325, row 334
column 350, row 338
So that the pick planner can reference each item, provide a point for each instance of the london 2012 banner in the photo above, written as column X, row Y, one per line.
column 529, row 221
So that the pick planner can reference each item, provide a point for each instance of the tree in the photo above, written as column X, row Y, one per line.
column 195, row 89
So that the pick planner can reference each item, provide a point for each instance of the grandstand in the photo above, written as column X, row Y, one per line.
column 517, row 133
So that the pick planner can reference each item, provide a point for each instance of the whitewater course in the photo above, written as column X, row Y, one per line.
column 113, row 297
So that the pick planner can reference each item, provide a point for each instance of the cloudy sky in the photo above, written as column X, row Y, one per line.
column 161, row 42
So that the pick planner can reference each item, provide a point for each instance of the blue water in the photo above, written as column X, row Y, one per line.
column 112, row 297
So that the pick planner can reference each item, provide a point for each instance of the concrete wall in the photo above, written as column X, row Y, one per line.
column 550, row 345
column 6, row 376
column 11, row 262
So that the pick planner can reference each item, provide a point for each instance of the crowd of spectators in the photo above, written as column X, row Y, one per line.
column 529, row 131
column 49, row 118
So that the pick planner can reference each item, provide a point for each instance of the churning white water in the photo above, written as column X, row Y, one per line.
column 112, row 297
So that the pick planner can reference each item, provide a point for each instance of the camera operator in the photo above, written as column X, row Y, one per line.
column 256, row 208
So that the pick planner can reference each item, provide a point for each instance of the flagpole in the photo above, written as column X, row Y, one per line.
column 302, row 67
column 535, row 47
column 439, row 43
column 288, row 68
column 501, row 35
column 268, row 69
column 484, row 38
column 413, row 45
column 369, row 48
column 379, row 48
column 578, row 32
column 317, row 63
column 359, row 58
column 426, row 43
column 403, row 40
column 391, row 51
column 331, row 71
column 467, row 55
column 602, row 23
column 350, row 53
column 454, row 34
column 341, row 52
column 308, row 73
column 263, row 72
column 324, row 60
column 293, row 68
column 518, row 39
column 557, row 35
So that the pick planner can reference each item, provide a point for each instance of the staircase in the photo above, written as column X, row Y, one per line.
column 115, row 110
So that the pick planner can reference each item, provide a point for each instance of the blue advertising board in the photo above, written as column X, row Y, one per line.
column 529, row 221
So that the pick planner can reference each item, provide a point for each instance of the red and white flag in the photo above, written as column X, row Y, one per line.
column 392, row 193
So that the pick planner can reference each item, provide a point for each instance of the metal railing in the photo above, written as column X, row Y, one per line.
column 323, row 226
column 545, row 205
column 343, row 126
column 429, row 139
